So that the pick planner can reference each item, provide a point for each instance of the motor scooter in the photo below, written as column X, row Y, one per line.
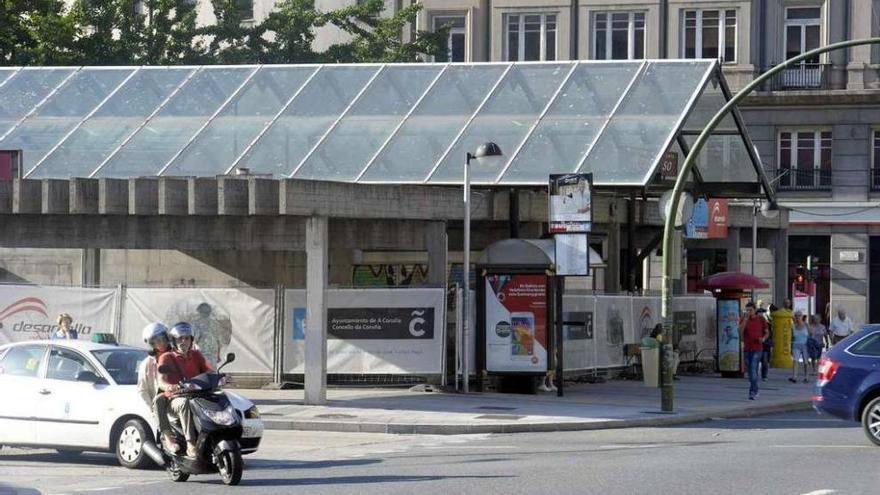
column 219, row 430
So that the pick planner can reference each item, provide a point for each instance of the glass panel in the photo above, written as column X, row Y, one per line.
column 93, row 142
column 620, row 36
column 300, row 127
column 690, row 34
column 730, row 36
column 877, row 149
column 550, row 40
column 710, row 34
column 725, row 159
column 430, row 129
column 706, row 107
column 505, row 119
column 804, row 13
column 812, row 41
column 227, row 136
column 792, row 41
column 457, row 49
column 360, row 134
column 42, row 130
column 639, row 36
column 154, row 144
column 572, row 123
column 637, row 133
column 600, row 45
column 24, row 91
column 512, row 38
column 532, row 37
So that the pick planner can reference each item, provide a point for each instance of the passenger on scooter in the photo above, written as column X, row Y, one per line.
column 185, row 362
column 156, row 336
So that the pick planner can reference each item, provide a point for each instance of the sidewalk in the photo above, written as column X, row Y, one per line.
column 613, row 404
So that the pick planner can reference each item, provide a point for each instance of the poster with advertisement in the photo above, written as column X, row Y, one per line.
column 30, row 312
column 516, row 323
column 709, row 219
column 571, row 203
column 718, row 219
column 728, row 335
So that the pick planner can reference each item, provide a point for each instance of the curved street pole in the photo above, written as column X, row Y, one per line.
column 666, row 394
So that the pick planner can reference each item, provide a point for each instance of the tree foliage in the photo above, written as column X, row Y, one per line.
column 166, row 32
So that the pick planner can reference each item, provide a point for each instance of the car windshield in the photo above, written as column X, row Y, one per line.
column 122, row 364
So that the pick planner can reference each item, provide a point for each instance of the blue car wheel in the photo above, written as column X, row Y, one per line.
column 871, row 421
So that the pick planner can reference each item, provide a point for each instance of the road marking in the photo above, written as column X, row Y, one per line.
column 821, row 492
column 459, row 447
column 822, row 447
column 781, row 420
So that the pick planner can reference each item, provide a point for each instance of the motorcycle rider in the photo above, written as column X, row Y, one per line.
column 156, row 336
column 185, row 362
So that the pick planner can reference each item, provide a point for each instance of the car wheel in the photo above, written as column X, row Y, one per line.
column 871, row 420
column 129, row 441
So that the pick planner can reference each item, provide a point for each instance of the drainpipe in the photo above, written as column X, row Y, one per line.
column 575, row 29
column 664, row 29
column 762, row 35
column 488, row 30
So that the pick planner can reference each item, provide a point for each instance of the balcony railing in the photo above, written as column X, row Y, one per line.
column 875, row 179
column 811, row 179
column 801, row 77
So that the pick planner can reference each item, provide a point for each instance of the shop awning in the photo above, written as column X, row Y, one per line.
column 391, row 123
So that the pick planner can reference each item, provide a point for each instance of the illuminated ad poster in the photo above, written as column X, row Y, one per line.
column 728, row 335
column 516, row 323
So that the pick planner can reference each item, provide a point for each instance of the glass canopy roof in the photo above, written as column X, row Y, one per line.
column 394, row 123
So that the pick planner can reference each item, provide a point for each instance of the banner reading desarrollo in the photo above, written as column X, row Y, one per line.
column 30, row 312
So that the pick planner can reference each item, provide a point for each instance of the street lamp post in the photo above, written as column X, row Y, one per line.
column 485, row 154
column 667, row 393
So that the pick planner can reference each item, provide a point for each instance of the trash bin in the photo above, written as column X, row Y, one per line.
column 651, row 366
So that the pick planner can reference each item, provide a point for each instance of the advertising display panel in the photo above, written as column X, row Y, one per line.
column 516, row 323
column 728, row 335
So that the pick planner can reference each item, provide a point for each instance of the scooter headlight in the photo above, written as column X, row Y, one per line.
column 225, row 417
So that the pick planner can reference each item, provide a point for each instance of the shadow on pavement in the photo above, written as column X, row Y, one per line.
column 352, row 480
column 86, row 458
column 806, row 420
column 268, row 464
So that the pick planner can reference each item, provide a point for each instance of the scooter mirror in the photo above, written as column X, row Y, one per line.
column 230, row 357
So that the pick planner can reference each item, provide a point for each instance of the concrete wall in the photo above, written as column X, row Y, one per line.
column 41, row 266
column 849, row 279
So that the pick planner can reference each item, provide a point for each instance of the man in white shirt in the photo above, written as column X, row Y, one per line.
column 841, row 327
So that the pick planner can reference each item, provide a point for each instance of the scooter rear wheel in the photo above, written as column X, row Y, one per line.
column 230, row 466
column 176, row 474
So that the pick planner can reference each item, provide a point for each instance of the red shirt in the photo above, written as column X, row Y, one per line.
column 753, row 333
column 192, row 364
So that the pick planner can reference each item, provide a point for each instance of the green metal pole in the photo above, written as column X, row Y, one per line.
column 666, row 389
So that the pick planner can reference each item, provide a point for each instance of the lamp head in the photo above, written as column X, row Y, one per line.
column 487, row 155
column 769, row 209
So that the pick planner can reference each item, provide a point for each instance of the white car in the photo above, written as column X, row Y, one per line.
column 75, row 396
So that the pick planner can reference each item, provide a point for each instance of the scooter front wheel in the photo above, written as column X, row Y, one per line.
column 230, row 466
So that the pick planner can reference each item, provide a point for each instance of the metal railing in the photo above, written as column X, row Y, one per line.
column 811, row 179
column 800, row 77
column 875, row 179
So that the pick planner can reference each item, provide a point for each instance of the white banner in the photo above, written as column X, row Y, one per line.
column 372, row 331
column 645, row 315
column 31, row 311
column 223, row 320
column 579, row 346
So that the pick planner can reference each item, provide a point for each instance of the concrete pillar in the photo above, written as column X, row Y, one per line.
column 780, row 275
column 83, row 196
column 113, row 196
column 27, row 196
column 56, row 196
column 436, row 243
column 173, row 196
column 849, row 275
column 733, row 259
column 91, row 267
column 5, row 196
column 316, row 311
column 202, row 196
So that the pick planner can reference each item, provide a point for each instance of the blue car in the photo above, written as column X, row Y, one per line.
column 848, row 381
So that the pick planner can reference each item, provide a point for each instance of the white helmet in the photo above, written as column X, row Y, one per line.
column 154, row 330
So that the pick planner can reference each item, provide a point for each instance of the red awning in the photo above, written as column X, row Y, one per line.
column 732, row 281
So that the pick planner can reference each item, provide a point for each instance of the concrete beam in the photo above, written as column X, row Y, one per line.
column 55, row 197
column 143, row 196
column 202, row 196
column 316, row 311
column 232, row 196
column 173, row 196
column 112, row 196
column 262, row 196
column 5, row 196
column 83, row 196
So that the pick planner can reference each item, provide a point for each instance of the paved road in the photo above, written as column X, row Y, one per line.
column 798, row 453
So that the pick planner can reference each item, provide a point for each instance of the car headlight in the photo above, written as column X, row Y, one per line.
column 252, row 413
column 225, row 417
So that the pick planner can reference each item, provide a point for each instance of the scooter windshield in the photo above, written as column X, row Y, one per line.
column 205, row 381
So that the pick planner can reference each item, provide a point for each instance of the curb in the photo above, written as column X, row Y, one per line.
column 463, row 429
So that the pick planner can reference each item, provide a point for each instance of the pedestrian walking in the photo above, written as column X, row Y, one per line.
column 817, row 342
column 768, row 342
column 753, row 332
column 840, row 327
column 799, row 335
column 64, row 328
